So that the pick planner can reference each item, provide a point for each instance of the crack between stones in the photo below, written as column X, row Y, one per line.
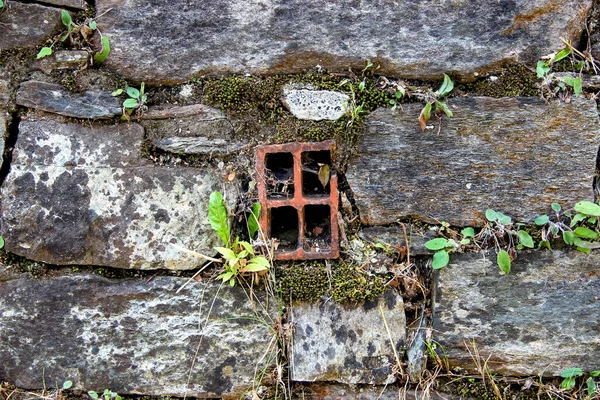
column 63, row 7
column 9, row 144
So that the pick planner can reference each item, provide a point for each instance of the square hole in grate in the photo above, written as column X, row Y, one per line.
column 316, row 172
column 284, row 227
column 317, row 228
column 280, row 175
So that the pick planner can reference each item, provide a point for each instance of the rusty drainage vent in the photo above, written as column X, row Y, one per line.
column 299, row 198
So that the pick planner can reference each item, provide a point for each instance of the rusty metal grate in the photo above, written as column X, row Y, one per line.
column 297, row 209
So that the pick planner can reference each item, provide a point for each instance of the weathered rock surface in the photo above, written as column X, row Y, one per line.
column 277, row 36
column 50, row 97
column 25, row 25
column 515, row 155
column 195, row 129
column 4, row 93
column 543, row 317
column 348, row 344
column 81, row 195
column 332, row 391
column 77, row 4
column 133, row 336
column 62, row 59
column 3, row 130
column 315, row 105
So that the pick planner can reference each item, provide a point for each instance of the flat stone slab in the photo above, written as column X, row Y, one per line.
column 62, row 59
column 348, row 343
column 134, row 336
column 542, row 318
column 26, row 25
column 77, row 4
column 315, row 105
column 195, row 129
column 53, row 98
column 81, row 195
column 3, row 129
column 283, row 36
column 515, row 155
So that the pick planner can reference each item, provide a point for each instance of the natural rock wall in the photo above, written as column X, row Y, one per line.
column 89, row 184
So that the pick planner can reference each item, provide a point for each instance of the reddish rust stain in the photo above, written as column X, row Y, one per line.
column 522, row 20
column 299, row 200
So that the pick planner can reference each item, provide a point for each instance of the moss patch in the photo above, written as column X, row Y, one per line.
column 513, row 80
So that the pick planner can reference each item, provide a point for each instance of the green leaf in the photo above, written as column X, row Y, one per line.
column 583, row 250
column 568, row 237
column 257, row 264
column 133, row 92
column 217, row 216
column 142, row 86
column 444, row 107
column 465, row 241
column 446, row 87
column 67, row 385
column 66, row 18
column 504, row 219
column 247, row 246
column 99, row 57
column 585, row 233
column 424, row 116
column 567, row 383
column 93, row 25
column 571, row 372
column 227, row 254
column 324, row 175
column 577, row 86
column 525, row 239
column 436, row 244
column 117, row 92
column 588, row 208
column 562, row 54
column 130, row 103
column 577, row 218
column 542, row 220
column 253, row 220
column 503, row 261
column 225, row 276
column 440, row 259
column 468, row 232
column 541, row 69
column 45, row 51
column 585, row 244
column 555, row 207
column 546, row 244
column 491, row 215
column 591, row 386
column 93, row 394
column 595, row 373
column 1, row 4
column 1, row 242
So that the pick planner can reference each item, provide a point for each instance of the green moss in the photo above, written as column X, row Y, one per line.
column 513, row 80
column 306, row 281
column 351, row 284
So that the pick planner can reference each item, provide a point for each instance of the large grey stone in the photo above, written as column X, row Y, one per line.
column 81, row 195
column 56, row 99
column 348, row 343
column 195, row 129
column 134, row 336
column 25, row 25
column 415, row 39
column 542, row 318
column 77, row 4
column 515, row 155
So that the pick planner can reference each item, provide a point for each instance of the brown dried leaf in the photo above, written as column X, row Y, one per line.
column 324, row 174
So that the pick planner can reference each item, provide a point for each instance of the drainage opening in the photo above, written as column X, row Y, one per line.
column 316, row 172
column 284, row 227
column 317, row 228
column 280, row 175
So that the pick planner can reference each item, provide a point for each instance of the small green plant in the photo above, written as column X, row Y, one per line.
column 135, row 103
column 67, row 385
column 1, row 242
column 352, row 108
column 106, row 395
column 443, row 246
column 432, row 99
column 239, row 257
column 78, row 34
column 543, row 70
column 1, row 4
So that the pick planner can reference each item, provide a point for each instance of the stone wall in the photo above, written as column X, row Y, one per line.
column 104, row 213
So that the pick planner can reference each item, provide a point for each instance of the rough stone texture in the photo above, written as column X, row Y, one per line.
column 283, row 36
column 394, row 236
column 315, row 104
column 543, row 317
column 56, row 99
column 347, row 344
column 77, row 4
column 62, row 59
column 332, row 391
column 80, row 195
column 25, row 25
column 195, row 129
column 515, row 155
column 132, row 336
column 4, row 93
